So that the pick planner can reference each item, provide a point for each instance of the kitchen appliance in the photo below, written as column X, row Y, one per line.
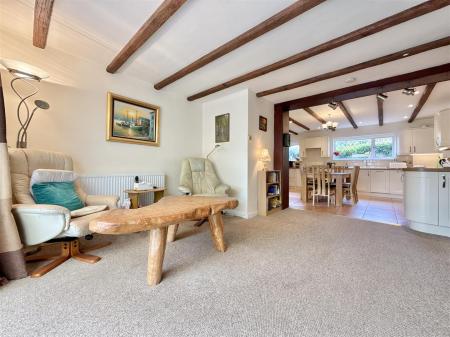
column 444, row 162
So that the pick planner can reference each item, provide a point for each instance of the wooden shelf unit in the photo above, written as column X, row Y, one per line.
column 266, row 197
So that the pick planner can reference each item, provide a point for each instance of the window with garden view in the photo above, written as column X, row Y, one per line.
column 364, row 148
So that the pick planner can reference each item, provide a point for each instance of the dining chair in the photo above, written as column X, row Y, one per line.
column 350, row 189
column 322, row 184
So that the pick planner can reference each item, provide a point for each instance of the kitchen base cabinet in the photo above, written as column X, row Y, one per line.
column 378, row 181
column 396, row 182
column 426, row 201
column 364, row 181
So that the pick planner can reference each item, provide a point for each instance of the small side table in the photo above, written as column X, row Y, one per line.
column 134, row 195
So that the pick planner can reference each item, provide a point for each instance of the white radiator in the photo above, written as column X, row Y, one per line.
column 117, row 184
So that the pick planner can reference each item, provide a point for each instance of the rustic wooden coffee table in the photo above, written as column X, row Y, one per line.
column 156, row 218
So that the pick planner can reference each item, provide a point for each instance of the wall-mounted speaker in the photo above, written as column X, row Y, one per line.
column 286, row 140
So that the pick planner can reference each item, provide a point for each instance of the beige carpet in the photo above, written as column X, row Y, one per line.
column 296, row 273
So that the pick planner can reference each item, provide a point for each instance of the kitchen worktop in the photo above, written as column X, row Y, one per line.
column 427, row 169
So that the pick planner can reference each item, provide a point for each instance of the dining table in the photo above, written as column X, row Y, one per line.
column 338, row 177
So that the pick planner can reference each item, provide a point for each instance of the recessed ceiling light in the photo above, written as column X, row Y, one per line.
column 405, row 54
column 350, row 79
column 410, row 105
column 290, row 121
column 416, row 92
column 360, row 122
column 405, row 117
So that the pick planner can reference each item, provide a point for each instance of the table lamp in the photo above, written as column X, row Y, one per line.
column 264, row 157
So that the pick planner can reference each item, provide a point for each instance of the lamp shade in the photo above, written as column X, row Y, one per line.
column 264, row 156
column 22, row 69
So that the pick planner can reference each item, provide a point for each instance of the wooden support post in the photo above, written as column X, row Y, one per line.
column 156, row 250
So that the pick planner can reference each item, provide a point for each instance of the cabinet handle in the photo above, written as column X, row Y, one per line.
column 414, row 149
column 444, row 181
column 401, row 177
column 410, row 149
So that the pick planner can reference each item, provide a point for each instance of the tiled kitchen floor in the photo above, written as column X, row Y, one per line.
column 387, row 210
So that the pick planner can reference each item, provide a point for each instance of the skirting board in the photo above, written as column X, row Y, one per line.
column 381, row 195
column 241, row 214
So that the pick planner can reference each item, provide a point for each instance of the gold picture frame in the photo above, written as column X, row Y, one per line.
column 131, row 121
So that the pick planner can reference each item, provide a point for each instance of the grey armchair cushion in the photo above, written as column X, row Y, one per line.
column 198, row 177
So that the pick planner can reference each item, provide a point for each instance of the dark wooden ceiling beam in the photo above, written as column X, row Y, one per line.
column 360, row 66
column 408, row 14
column 416, row 78
column 287, row 14
column 429, row 88
column 42, row 15
column 156, row 20
column 316, row 116
column 293, row 132
column 380, row 111
column 347, row 114
column 299, row 124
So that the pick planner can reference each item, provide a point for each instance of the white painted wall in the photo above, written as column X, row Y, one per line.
column 236, row 162
column 259, row 140
column 230, row 159
column 76, row 122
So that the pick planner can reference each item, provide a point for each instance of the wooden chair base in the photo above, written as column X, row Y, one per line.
column 68, row 249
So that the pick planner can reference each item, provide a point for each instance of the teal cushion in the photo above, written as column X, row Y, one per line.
column 57, row 193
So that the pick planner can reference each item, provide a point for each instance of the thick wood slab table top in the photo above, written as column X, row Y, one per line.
column 168, row 211
column 161, row 220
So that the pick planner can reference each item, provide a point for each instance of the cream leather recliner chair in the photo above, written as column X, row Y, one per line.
column 38, row 223
column 198, row 177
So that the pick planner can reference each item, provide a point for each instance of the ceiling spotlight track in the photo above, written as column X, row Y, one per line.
column 382, row 96
column 333, row 105
column 409, row 91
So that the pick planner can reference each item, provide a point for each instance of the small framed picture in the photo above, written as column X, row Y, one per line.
column 263, row 123
column 223, row 128
column 132, row 121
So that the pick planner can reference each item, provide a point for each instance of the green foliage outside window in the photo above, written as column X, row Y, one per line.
column 365, row 148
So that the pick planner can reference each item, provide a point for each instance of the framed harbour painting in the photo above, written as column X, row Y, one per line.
column 223, row 128
column 132, row 121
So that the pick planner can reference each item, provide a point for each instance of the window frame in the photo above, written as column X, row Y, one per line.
column 372, row 147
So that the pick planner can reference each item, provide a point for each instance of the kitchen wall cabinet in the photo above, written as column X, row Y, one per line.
column 378, row 181
column 396, row 182
column 415, row 141
column 322, row 143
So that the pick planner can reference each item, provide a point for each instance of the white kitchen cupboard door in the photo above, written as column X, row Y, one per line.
column 364, row 181
column 378, row 181
column 423, row 140
column 395, row 182
column 325, row 147
column 444, row 199
column 405, row 145
column 302, row 145
column 421, row 197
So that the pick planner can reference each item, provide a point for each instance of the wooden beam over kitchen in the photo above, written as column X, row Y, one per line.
column 360, row 66
column 42, row 15
column 428, row 89
column 287, row 14
column 316, row 116
column 380, row 111
column 293, row 132
column 299, row 124
column 347, row 114
column 408, row 14
column 414, row 79
column 156, row 20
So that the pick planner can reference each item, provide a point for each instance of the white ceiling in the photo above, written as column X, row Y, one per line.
column 199, row 26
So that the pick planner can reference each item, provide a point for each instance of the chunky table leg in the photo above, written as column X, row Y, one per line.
column 172, row 233
column 156, row 249
column 216, row 227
